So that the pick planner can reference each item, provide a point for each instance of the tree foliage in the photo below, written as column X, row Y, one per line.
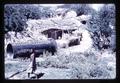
column 14, row 20
column 100, row 26
column 16, row 15
column 79, row 8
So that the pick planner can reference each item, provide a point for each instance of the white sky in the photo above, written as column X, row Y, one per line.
column 52, row 5
column 94, row 6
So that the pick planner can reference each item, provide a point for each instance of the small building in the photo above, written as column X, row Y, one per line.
column 53, row 33
column 56, row 33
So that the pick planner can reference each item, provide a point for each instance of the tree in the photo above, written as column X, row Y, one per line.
column 16, row 15
column 79, row 8
column 13, row 19
column 99, row 26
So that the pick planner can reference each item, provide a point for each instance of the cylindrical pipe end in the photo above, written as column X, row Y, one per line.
column 9, row 50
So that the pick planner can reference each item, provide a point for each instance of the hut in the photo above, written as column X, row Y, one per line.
column 56, row 33
column 53, row 33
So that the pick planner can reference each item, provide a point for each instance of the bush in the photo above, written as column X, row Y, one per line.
column 52, row 61
column 99, row 72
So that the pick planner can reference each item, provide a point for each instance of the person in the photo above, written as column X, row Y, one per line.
column 32, row 66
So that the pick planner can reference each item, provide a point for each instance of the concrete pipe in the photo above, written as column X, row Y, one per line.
column 24, row 49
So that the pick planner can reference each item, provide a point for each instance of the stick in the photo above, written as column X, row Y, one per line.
column 17, row 73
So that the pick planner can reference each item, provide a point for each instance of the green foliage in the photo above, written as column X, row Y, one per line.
column 100, row 25
column 13, row 19
column 107, row 16
column 79, row 8
column 16, row 15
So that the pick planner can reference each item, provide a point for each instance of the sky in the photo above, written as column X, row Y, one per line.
column 51, row 5
column 94, row 6
column 97, row 6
